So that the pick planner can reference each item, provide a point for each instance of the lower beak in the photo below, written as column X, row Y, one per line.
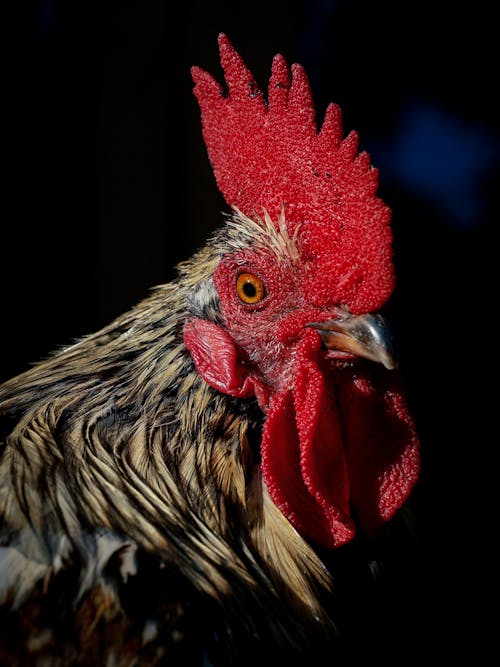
column 366, row 336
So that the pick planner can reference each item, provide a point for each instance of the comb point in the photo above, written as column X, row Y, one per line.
column 279, row 84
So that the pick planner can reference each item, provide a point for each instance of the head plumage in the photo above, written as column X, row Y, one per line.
column 268, row 156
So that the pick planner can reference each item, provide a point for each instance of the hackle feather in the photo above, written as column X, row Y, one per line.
column 116, row 441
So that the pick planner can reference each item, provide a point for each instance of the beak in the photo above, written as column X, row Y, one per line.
column 366, row 336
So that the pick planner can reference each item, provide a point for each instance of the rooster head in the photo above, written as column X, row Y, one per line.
column 299, row 295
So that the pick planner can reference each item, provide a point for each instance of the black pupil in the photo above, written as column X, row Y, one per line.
column 249, row 289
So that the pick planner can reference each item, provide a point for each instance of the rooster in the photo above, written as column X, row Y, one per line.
column 172, row 486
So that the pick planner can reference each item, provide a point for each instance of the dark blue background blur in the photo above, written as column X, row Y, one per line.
column 106, row 186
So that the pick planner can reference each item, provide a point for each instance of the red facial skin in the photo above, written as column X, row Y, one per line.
column 268, row 332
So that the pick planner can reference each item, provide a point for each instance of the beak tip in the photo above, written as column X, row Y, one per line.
column 366, row 336
column 391, row 364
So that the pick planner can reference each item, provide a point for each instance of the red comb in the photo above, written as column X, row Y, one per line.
column 270, row 156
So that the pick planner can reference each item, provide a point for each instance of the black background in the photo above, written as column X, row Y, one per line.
column 106, row 186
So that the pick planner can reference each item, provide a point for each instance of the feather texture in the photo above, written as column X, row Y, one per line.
column 119, row 451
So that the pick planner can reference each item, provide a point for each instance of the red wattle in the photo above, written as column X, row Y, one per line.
column 338, row 440
column 336, row 443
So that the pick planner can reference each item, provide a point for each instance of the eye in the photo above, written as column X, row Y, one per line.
column 250, row 288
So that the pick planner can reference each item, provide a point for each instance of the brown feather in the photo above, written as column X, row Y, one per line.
column 116, row 440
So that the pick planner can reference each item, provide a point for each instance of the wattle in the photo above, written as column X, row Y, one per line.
column 339, row 442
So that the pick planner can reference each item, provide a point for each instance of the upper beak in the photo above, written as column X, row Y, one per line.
column 365, row 336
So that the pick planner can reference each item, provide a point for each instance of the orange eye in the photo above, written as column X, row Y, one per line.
column 250, row 289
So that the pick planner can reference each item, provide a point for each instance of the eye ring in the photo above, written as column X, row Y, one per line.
column 250, row 288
